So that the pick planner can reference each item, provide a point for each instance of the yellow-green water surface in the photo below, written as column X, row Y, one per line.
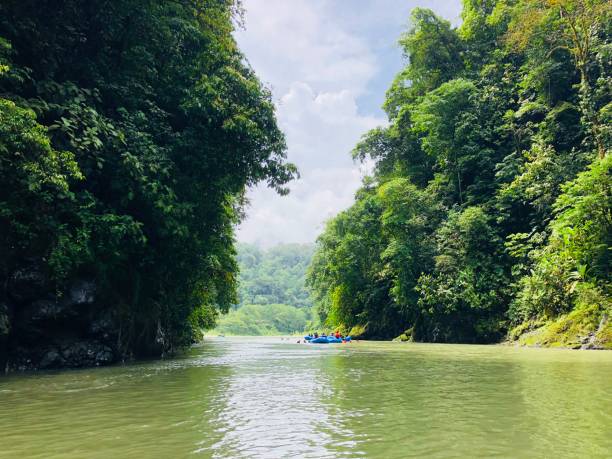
column 238, row 397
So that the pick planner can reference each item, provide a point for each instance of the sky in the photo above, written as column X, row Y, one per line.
column 328, row 64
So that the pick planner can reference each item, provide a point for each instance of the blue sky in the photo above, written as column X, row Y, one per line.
column 328, row 64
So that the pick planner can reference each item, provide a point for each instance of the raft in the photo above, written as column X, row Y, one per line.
column 328, row 340
column 319, row 340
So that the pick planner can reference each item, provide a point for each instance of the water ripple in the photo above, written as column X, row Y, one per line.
column 269, row 398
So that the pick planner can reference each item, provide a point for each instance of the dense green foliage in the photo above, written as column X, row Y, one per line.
column 274, row 276
column 489, row 209
column 128, row 132
column 271, row 290
column 264, row 319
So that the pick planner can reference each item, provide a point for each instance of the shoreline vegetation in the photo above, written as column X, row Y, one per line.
column 130, row 132
column 289, row 337
column 487, row 217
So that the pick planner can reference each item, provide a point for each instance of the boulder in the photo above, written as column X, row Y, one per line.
column 52, row 359
column 87, row 353
column 5, row 329
column 5, row 322
column 49, row 310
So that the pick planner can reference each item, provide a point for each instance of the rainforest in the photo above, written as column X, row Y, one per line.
column 487, row 217
column 273, row 298
column 131, row 130
column 190, row 190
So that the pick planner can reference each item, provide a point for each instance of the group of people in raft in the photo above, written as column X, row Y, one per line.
column 336, row 337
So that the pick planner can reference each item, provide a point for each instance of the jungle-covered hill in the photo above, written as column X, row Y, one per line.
column 274, row 275
column 129, row 131
column 488, row 215
column 273, row 298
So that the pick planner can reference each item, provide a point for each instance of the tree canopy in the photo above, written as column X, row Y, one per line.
column 275, row 275
column 129, row 131
column 488, row 211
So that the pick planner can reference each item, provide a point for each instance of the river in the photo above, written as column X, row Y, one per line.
column 263, row 397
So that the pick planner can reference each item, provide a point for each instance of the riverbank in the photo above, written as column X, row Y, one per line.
column 586, row 328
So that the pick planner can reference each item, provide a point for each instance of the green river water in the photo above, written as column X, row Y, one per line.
column 263, row 397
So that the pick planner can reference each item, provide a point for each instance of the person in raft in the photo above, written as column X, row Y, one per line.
column 338, row 335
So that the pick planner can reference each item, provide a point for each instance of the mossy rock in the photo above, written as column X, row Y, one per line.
column 524, row 329
column 407, row 336
column 586, row 327
column 603, row 336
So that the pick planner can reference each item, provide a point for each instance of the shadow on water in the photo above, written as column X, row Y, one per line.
column 141, row 410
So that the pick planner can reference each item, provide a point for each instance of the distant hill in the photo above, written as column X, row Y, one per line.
column 275, row 275
column 264, row 319
column 273, row 297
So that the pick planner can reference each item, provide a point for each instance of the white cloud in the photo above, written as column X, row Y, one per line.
column 296, row 40
column 300, row 216
column 328, row 63
column 321, row 130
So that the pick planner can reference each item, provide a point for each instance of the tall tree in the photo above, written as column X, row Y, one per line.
column 577, row 26
column 492, row 217
column 149, row 127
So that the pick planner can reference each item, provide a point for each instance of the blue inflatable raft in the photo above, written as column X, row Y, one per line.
column 319, row 340
column 326, row 339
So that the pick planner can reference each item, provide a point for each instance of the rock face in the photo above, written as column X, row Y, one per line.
column 584, row 328
column 77, row 354
column 43, row 328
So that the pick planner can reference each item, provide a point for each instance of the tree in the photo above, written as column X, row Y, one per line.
column 347, row 276
column 274, row 276
column 434, row 53
column 486, row 138
column 572, row 25
column 576, row 258
column 409, row 219
column 464, row 298
column 156, row 126
column 441, row 118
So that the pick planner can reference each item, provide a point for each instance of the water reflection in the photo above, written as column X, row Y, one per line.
column 569, row 407
column 267, row 398
column 145, row 410
column 274, row 404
